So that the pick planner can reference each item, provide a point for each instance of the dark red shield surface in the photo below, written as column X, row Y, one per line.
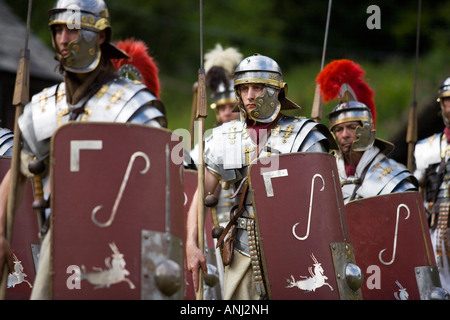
column 25, row 244
column 117, row 213
column 300, row 219
column 390, row 237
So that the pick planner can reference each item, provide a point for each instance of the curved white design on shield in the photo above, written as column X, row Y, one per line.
column 122, row 188
column 310, row 208
column 395, row 236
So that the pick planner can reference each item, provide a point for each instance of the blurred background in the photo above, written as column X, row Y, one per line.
column 292, row 33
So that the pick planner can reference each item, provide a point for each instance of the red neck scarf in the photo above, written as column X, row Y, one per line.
column 447, row 134
column 254, row 128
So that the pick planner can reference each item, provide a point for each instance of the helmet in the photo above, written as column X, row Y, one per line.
column 444, row 92
column 355, row 111
column 224, row 94
column 263, row 70
column 140, row 66
column 342, row 79
column 220, row 64
column 89, row 17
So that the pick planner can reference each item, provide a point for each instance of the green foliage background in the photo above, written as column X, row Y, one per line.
column 291, row 32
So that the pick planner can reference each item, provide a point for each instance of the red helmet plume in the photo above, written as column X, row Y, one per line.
column 333, row 78
column 142, row 61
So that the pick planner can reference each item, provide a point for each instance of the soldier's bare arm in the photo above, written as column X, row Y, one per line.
column 5, row 249
column 195, row 257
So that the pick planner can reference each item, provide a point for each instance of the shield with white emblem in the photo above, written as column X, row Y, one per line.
column 298, row 246
column 25, row 244
column 117, row 218
column 392, row 246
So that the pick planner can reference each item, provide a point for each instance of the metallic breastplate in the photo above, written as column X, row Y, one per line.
column 119, row 100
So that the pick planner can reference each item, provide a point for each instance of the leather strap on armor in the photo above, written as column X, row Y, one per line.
column 241, row 208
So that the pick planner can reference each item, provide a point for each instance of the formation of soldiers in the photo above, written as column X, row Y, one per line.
column 293, row 205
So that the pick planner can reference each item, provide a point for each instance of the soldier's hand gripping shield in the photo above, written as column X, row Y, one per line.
column 299, row 248
column 117, row 213
column 392, row 245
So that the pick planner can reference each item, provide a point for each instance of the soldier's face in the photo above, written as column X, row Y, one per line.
column 64, row 36
column 446, row 107
column 249, row 92
column 345, row 135
column 225, row 112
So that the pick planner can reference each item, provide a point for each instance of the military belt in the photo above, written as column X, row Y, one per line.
column 241, row 223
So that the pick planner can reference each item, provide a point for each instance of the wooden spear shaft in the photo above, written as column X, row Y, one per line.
column 411, row 134
column 201, row 115
column 317, row 108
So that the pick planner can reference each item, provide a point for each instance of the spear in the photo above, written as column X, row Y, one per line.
column 20, row 99
column 316, row 112
column 201, row 114
column 411, row 134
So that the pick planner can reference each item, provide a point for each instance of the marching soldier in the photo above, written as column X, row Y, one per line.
column 432, row 170
column 365, row 170
column 261, row 131
column 220, row 64
column 91, row 91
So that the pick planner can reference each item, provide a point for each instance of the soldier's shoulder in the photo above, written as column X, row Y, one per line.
column 428, row 151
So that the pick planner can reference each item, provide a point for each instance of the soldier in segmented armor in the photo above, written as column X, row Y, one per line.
column 261, row 92
column 365, row 170
column 92, row 91
column 6, row 142
column 433, row 172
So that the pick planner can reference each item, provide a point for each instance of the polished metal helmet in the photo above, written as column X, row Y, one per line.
column 355, row 111
column 444, row 92
column 224, row 94
column 90, row 17
column 263, row 70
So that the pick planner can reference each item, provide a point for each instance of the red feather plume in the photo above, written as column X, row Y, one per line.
column 339, row 72
column 140, row 58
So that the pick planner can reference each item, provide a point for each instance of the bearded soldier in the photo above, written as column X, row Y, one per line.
column 365, row 170
column 91, row 91
column 432, row 169
column 262, row 130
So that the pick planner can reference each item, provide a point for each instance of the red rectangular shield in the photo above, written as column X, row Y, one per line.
column 390, row 237
column 117, row 213
column 301, row 226
column 25, row 244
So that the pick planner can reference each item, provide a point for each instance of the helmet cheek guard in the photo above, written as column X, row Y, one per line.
column 366, row 137
column 267, row 106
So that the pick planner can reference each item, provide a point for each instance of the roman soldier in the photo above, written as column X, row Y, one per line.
column 262, row 130
column 433, row 171
column 365, row 168
column 92, row 91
